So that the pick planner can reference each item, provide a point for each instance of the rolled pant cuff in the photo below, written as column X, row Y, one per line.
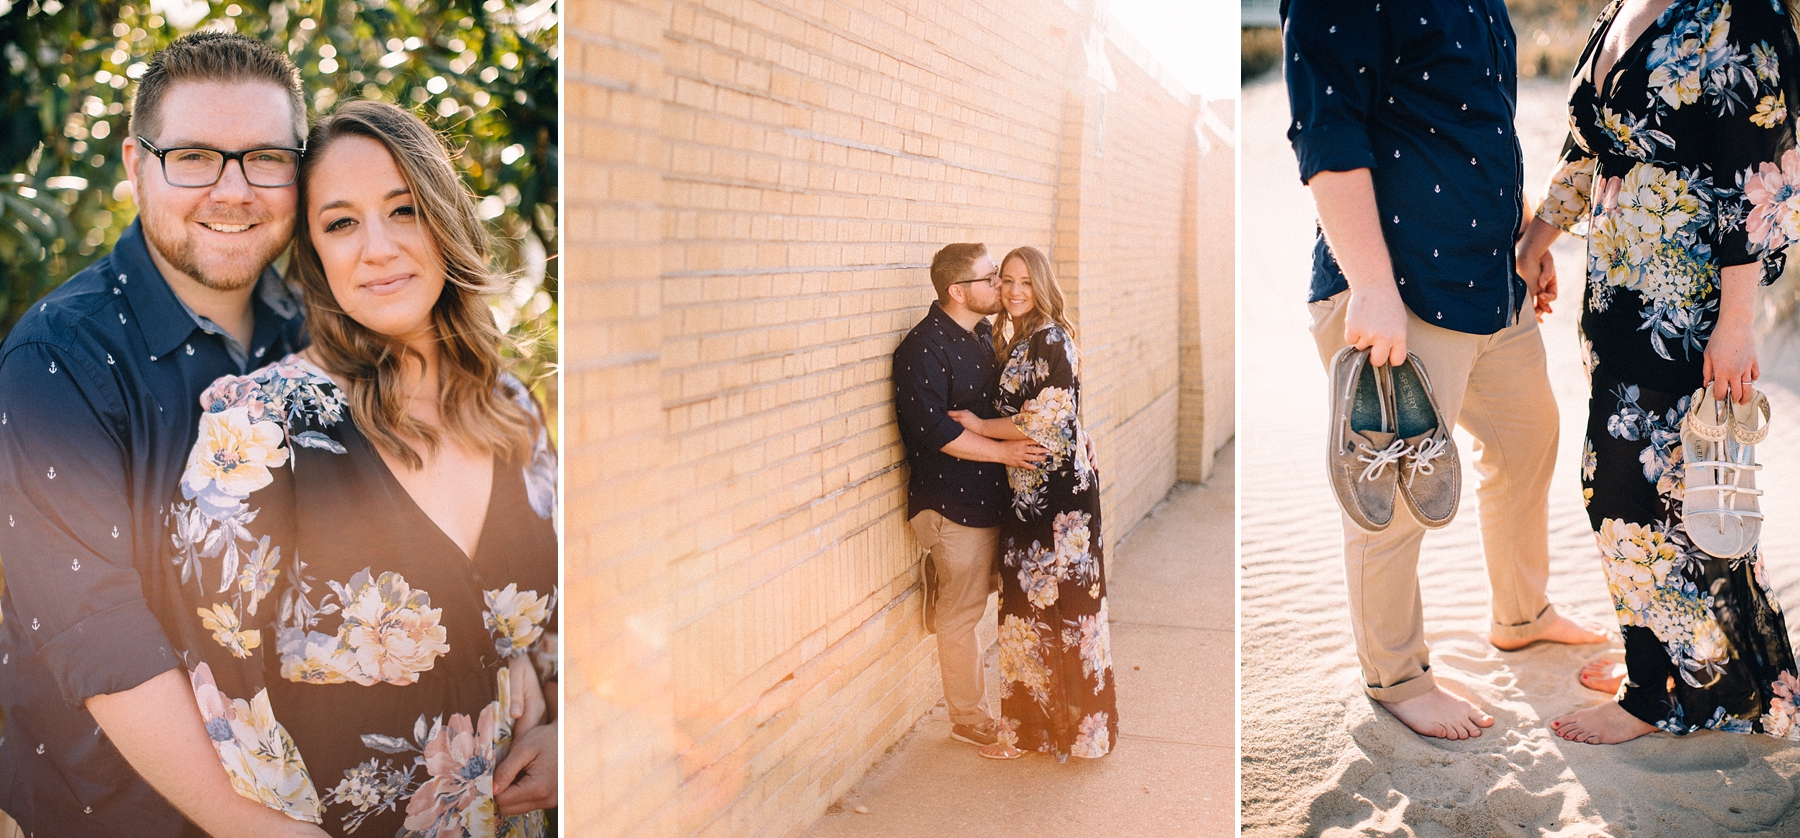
column 1411, row 688
column 969, row 718
column 1521, row 631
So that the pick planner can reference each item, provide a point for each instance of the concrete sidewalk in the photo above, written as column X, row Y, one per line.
column 1171, row 597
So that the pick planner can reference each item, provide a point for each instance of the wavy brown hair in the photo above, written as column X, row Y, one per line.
column 471, row 407
column 1046, row 303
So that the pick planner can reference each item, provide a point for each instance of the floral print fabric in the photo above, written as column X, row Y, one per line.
column 1055, row 645
column 1679, row 164
column 350, row 661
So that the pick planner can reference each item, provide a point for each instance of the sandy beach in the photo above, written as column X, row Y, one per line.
column 1318, row 757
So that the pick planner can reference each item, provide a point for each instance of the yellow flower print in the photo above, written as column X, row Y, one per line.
column 1571, row 188
column 390, row 634
column 256, row 751
column 1019, row 659
column 222, row 620
column 515, row 618
column 1638, row 560
column 258, row 574
column 1771, row 111
column 232, row 458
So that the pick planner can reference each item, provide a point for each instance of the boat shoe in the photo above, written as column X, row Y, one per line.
column 1431, row 473
column 1365, row 452
column 1709, row 478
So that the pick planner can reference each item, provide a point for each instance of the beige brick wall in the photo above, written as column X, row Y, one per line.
column 754, row 190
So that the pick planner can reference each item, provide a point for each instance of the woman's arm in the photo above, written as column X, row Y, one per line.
column 1002, row 428
column 1730, row 365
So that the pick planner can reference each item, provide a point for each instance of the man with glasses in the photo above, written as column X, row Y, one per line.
column 958, row 489
column 99, row 388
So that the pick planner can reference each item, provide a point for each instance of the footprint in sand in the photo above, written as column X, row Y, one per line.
column 1713, row 774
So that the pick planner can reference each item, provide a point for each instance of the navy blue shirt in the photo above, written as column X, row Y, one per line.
column 99, row 406
column 1422, row 93
column 939, row 367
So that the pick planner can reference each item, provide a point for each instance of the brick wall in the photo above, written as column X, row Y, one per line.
column 755, row 189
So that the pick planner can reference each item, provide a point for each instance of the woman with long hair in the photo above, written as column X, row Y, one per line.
column 368, row 525
column 1055, row 645
column 1680, row 165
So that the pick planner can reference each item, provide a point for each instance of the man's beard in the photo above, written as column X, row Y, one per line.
column 183, row 255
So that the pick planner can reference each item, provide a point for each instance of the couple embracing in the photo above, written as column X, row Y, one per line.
column 275, row 566
column 1004, row 484
column 1680, row 168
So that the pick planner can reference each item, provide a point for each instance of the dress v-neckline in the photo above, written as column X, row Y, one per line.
column 487, row 512
column 393, row 481
column 1607, row 85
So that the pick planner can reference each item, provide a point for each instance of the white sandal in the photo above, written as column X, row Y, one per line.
column 1749, row 426
column 1709, row 478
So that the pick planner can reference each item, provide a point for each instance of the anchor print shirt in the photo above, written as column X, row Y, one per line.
column 99, row 407
column 939, row 367
column 1422, row 94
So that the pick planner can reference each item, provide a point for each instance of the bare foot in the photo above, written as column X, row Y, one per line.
column 1440, row 713
column 1601, row 724
column 1602, row 675
column 1560, row 630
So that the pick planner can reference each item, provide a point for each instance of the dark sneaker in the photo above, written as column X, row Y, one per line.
column 981, row 734
column 1431, row 477
column 1365, row 451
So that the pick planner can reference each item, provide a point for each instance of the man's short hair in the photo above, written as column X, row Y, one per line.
column 217, row 57
column 955, row 263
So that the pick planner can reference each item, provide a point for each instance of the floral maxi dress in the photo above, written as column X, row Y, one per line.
column 1055, row 646
column 1679, row 164
column 350, row 661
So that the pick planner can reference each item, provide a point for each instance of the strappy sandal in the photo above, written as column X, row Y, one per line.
column 999, row 750
column 1709, row 478
column 1749, row 426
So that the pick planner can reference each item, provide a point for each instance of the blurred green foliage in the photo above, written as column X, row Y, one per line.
column 483, row 72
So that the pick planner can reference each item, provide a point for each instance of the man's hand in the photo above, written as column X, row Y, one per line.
column 526, row 780
column 1536, row 266
column 1376, row 320
column 1022, row 453
column 1017, row 453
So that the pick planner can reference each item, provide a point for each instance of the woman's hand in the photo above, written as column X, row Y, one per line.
column 1730, row 365
column 525, row 780
column 527, row 695
column 968, row 420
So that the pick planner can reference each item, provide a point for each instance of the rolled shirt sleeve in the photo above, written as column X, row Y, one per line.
column 922, row 396
column 67, row 535
column 1332, row 62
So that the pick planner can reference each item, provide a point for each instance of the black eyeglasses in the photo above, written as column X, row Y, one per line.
column 989, row 279
column 195, row 167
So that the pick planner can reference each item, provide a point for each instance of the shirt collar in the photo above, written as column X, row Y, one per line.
column 166, row 321
column 955, row 329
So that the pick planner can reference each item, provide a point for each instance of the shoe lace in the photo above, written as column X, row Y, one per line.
column 1431, row 449
column 1378, row 461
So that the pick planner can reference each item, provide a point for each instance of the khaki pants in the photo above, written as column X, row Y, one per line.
column 963, row 559
column 1497, row 388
